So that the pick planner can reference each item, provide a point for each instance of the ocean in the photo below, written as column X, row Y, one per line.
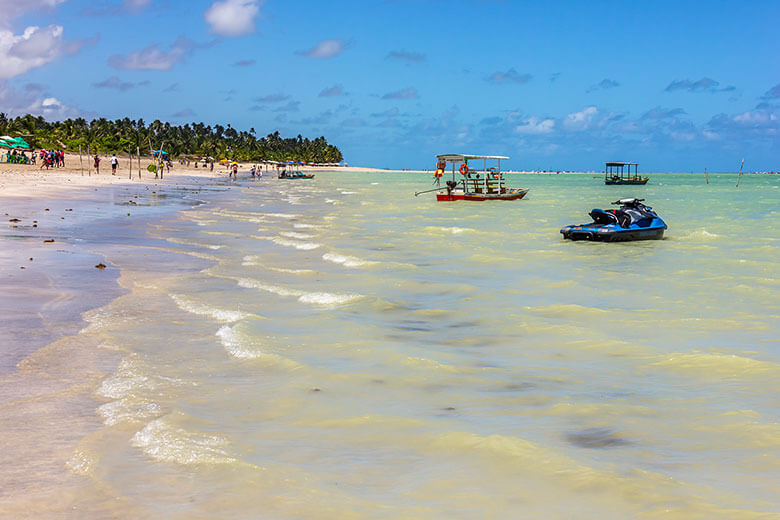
column 339, row 348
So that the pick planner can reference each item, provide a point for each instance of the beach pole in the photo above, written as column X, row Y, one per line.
column 138, row 153
column 81, row 163
column 706, row 176
column 89, row 170
column 740, row 171
column 130, row 163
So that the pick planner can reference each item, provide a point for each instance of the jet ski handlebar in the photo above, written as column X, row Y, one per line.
column 628, row 202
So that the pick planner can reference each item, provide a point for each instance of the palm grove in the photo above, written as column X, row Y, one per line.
column 127, row 136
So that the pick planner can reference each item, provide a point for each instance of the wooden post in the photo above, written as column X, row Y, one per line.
column 130, row 163
column 81, row 163
column 138, row 153
column 740, row 172
column 89, row 168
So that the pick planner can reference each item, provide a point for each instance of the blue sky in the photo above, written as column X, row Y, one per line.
column 555, row 85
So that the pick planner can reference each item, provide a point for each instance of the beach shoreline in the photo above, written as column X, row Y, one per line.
column 65, row 239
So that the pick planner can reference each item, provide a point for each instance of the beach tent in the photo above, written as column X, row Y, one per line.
column 10, row 142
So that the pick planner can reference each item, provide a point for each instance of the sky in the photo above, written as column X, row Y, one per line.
column 555, row 85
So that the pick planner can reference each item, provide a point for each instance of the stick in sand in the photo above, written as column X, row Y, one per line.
column 81, row 163
column 138, row 153
column 89, row 170
column 740, row 171
column 130, row 163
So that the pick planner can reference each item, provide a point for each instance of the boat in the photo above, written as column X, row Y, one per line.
column 290, row 174
column 620, row 173
column 632, row 221
column 473, row 184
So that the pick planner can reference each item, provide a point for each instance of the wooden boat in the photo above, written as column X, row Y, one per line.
column 616, row 173
column 285, row 174
column 473, row 184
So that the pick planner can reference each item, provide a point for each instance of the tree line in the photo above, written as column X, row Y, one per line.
column 126, row 135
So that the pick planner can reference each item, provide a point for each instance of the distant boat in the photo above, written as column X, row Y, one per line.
column 287, row 174
column 620, row 173
column 473, row 184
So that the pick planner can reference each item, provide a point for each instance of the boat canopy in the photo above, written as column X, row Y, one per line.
column 460, row 158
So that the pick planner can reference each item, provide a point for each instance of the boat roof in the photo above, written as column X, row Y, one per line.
column 621, row 163
column 462, row 157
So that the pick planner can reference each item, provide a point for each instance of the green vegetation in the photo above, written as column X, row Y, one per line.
column 125, row 135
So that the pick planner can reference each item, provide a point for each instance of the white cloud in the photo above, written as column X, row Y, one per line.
column 325, row 49
column 755, row 118
column 406, row 93
column 33, row 100
column 579, row 121
column 136, row 5
column 12, row 9
column 31, row 49
column 153, row 58
column 535, row 125
column 232, row 17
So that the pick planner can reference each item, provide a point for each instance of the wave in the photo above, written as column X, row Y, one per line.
column 200, row 309
column 166, row 442
column 291, row 271
column 717, row 365
column 700, row 235
column 347, row 261
column 305, row 246
column 454, row 230
column 298, row 236
column 282, row 215
column 323, row 299
column 240, row 346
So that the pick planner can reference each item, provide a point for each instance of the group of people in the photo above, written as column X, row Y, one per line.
column 19, row 158
column 51, row 159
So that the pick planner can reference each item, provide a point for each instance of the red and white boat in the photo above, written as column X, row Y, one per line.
column 473, row 184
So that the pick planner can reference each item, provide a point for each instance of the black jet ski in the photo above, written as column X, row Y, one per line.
column 632, row 221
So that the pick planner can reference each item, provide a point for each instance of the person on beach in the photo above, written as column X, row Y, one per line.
column 235, row 171
column 62, row 158
column 97, row 163
column 211, row 166
column 114, row 164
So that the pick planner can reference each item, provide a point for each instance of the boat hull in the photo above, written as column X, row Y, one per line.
column 633, row 182
column 610, row 233
column 516, row 194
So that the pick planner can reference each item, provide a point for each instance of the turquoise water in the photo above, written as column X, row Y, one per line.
column 339, row 348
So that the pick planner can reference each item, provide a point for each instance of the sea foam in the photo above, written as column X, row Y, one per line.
column 346, row 261
column 200, row 309
column 322, row 299
column 305, row 246
column 167, row 443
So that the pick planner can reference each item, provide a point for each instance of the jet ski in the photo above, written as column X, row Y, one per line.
column 632, row 221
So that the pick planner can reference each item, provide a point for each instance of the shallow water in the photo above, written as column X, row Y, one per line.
column 338, row 348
